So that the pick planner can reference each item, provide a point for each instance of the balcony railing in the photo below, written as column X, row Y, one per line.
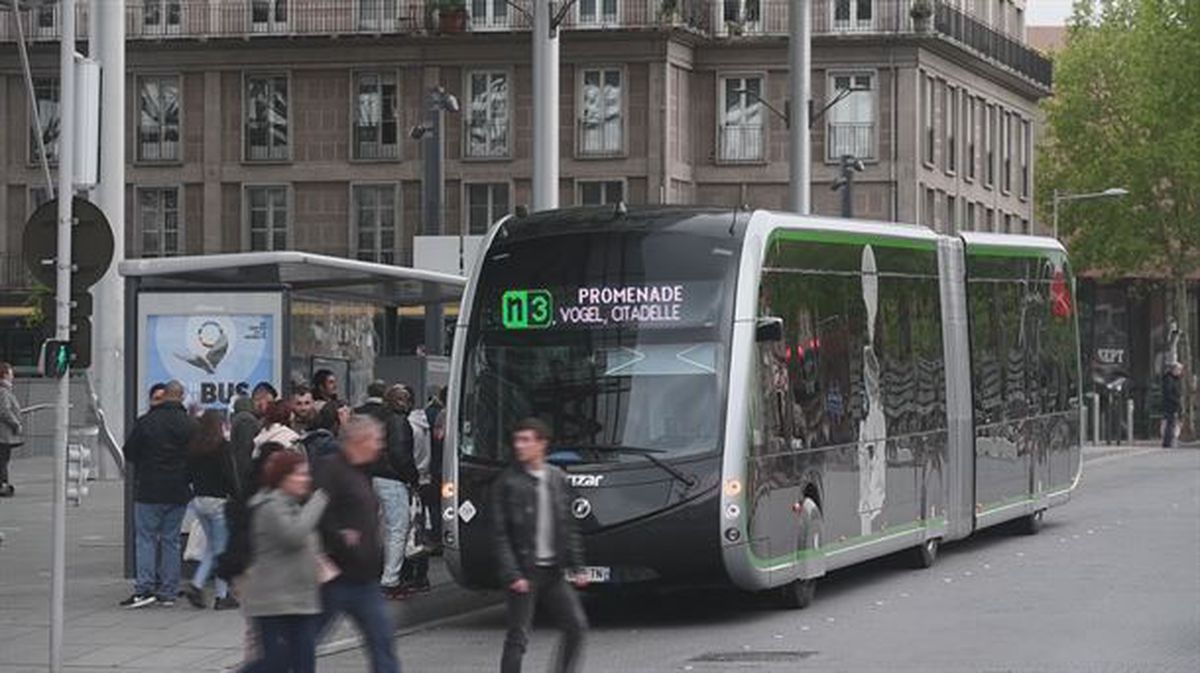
column 599, row 138
column 205, row 19
column 856, row 139
column 741, row 144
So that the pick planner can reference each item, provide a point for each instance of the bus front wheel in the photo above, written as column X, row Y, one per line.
column 1031, row 524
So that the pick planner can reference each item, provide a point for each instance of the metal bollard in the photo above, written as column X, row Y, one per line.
column 1129, row 421
column 1095, row 418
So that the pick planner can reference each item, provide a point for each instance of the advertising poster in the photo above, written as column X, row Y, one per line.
column 217, row 346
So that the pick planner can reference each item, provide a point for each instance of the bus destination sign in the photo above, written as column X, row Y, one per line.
column 657, row 305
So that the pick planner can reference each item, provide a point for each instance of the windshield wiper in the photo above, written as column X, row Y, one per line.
column 648, row 454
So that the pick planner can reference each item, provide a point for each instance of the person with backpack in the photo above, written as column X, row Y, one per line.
column 214, row 472
column 393, row 476
column 321, row 439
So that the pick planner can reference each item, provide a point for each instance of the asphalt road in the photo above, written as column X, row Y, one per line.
column 1112, row 583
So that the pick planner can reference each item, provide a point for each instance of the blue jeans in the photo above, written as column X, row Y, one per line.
column 365, row 605
column 210, row 513
column 158, row 548
column 393, row 499
column 289, row 644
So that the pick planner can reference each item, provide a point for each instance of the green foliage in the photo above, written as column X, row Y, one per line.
column 1126, row 113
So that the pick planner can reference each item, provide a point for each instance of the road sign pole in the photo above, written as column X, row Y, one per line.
column 62, row 265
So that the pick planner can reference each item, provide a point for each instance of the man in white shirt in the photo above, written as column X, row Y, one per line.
column 537, row 545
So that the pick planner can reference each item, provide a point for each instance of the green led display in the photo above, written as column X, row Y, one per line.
column 526, row 309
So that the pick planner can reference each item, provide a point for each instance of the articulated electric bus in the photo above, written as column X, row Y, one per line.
column 758, row 398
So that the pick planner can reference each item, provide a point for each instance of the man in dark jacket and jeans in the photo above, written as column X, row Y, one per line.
column 537, row 543
column 1172, row 381
column 393, row 477
column 350, row 536
column 157, row 450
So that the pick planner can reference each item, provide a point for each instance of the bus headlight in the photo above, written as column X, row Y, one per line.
column 732, row 511
column 733, row 534
column 448, row 490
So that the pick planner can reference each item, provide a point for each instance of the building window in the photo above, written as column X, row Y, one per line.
column 991, row 220
column 159, row 223
column 1026, row 154
column 741, row 15
column 486, row 203
column 969, row 135
column 487, row 114
column 927, row 100
column 375, row 14
column 597, row 12
column 601, row 118
column 951, row 214
column 161, row 16
column 852, row 15
column 376, row 119
column 267, row 118
column 741, row 129
column 268, row 16
column 969, row 219
column 989, row 170
column 1008, row 224
column 267, row 217
column 1009, row 130
column 601, row 192
column 950, row 120
column 375, row 223
column 852, row 120
column 45, row 96
column 928, row 217
column 158, row 125
column 487, row 14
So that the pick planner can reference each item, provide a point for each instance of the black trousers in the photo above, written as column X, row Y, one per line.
column 5, row 453
column 549, row 587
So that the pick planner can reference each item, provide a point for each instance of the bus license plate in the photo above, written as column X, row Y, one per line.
column 596, row 574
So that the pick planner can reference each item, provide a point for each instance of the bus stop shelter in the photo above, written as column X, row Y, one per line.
column 222, row 323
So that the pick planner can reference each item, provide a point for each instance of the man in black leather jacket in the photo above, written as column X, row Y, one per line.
column 537, row 543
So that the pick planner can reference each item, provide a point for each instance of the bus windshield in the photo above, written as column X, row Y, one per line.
column 616, row 339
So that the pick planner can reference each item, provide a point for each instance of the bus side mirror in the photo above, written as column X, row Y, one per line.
column 768, row 329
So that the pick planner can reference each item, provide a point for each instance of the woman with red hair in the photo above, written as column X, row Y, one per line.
column 277, row 426
column 282, row 585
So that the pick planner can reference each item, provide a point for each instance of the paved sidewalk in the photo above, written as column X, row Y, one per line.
column 100, row 635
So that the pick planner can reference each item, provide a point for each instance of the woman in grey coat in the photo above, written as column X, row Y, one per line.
column 11, row 431
column 281, row 590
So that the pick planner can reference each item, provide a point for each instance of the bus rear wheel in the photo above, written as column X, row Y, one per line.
column 1032, row 524
column 925, row 555
column 797, row 594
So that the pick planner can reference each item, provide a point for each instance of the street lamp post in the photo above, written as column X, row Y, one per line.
column 1059, row 197
column 434, row 186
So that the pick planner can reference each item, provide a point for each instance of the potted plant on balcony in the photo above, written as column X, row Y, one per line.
column 452, row 15
column 921, row 13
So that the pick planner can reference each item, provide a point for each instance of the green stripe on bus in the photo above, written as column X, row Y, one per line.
column 802, row 554
column 984, row 250
column 851, row 238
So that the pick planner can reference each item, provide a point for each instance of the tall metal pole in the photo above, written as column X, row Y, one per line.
column 1054, row 208
column 800, row 64
column 434, row 190
column 107, row 45
column 545, row 106
column 62, row 265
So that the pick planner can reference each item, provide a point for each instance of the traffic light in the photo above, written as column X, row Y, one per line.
column 55, row 358
column 81, row 325
column 79, row 469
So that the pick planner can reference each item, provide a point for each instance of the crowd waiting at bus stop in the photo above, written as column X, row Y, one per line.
column 308, row 509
